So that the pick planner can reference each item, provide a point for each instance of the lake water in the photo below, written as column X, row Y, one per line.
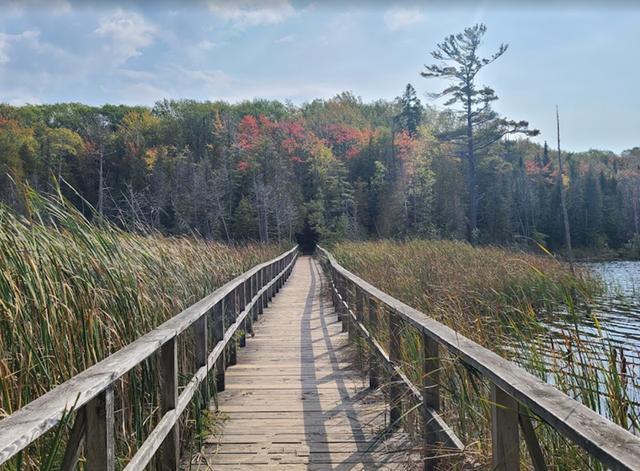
column 597, row 338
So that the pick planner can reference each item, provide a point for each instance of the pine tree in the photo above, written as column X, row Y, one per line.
column 410, row 115
column 460, row 64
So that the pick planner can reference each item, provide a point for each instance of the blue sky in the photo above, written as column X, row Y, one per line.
column 583, row 58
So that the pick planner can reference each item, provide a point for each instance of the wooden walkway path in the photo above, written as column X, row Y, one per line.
column 294, row 400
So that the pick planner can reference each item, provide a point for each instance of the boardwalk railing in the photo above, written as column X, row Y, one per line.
column 232, row 308
column 515, row 392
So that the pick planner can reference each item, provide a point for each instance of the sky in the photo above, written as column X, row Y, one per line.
column 583, row 57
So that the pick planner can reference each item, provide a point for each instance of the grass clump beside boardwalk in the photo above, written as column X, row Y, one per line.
column 71, row 293
column 500, row 299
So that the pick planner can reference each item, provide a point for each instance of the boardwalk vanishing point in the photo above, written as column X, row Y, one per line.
column 295, row 399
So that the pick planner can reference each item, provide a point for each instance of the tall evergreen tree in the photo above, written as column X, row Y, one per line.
column 410, row 115
column 459, row 63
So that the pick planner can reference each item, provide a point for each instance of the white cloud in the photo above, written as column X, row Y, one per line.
column 7, row 40
column 397, row 18
column 127, row 32
column 244, row 13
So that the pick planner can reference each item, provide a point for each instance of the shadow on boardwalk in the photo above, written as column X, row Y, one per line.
column 295, row 400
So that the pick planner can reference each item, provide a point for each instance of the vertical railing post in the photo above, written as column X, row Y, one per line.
column 350, row 295
column 359, row 311
column 342, row 287
column 247, row 301
column 374, row 379
column 231, row 308
column 100, row 439
column 254, row 291
column 260, row 285
column 170, row 448
column 430, row 397
column 271, row 276
column 241, row 302
column 218, row 335
column 395, row 389
column 504, row 431
column 201, row 354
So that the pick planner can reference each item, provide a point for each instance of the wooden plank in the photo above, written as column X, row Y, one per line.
column 296, row 379
column 200, row 332
column 430, row 399
column 505, row 440
column 616, row 447
column 395, row 388
column 170, row 448
column 100, row 433
column 218, row 332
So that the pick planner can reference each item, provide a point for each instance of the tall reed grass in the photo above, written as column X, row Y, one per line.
column 73, row 292
column 500, row 299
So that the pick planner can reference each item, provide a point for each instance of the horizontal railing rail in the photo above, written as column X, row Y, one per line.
column 515, row 392
column 232, row 308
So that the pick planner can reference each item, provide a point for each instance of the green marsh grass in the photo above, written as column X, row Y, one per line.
column 72, row 292
column 500, row 299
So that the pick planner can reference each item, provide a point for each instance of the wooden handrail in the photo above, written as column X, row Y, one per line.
column 90, row 392
column 514, row 390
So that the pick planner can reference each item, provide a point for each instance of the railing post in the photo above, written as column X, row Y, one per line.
column 231, row 306
column 170, row 448
column 218, row 334
column 241, row 303
column 201, row 354
column 263, row 274
column 430, row 398
column 351, row 307
column 504, row 431
column 259, row 286
column 374, row 379
column 395, row 389
column 271, row 270
column 100, row 432
column 359, row 311
column 254, row 291
column 342, row 288
column 247, row 302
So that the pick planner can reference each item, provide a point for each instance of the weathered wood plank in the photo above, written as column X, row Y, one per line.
column 170, row 448
column 296, row 376
column 100, row 434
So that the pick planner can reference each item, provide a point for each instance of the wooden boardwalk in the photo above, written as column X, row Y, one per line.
column 294, row 400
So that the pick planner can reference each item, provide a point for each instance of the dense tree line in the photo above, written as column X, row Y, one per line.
column 258, row 170
column 348, row 169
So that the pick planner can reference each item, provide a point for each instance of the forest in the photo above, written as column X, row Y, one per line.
column 258, row 170
column 262, row 170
